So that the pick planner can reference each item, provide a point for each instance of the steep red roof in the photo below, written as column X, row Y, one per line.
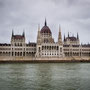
column 72, row 38
column 18, row 37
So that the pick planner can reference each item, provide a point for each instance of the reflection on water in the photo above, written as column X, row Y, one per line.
column 45, row 76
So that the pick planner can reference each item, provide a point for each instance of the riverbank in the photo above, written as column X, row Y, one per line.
column 47, row 61
column 43, row 60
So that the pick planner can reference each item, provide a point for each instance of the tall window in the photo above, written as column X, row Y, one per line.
column 45, row 40
column 60, row 49
column 39, row 49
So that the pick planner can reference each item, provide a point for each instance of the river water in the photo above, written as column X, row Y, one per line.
column 45, row 76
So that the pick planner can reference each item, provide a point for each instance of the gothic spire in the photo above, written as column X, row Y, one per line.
column 23, row 33
column 59, row 28
column 60, row 36
column 38, row 36
column 64, row 37
column 45, row 22
column 38, row 27
column 68, row 34
column 77, row 36
column 12, row 32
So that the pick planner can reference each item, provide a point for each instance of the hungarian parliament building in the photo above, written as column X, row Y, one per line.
column 45, row 47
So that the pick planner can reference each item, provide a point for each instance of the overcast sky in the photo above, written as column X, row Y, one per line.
column 19, row 15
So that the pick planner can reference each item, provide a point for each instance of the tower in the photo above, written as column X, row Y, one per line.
column 78, row 42
column 61, row 54
column 39, row 36
column 38, row 47
column 12, row 37
column 60, row 37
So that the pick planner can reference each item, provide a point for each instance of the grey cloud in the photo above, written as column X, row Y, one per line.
column 73, row 15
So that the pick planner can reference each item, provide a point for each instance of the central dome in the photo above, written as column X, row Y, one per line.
column 45, row 29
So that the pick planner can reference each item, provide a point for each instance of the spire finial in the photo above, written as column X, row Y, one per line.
column 38, row 27
column 68, row 34
column 60, row 36
column 12, row 32
column 45, row 22
column 23, row 33
column 59, row 28
column 64, row 37
column 77, row 36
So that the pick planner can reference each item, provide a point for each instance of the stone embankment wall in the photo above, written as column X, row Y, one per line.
column 33, row 59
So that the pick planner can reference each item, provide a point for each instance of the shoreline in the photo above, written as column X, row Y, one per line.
column 45, row 61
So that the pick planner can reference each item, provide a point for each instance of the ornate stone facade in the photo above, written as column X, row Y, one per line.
column 45, row 46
